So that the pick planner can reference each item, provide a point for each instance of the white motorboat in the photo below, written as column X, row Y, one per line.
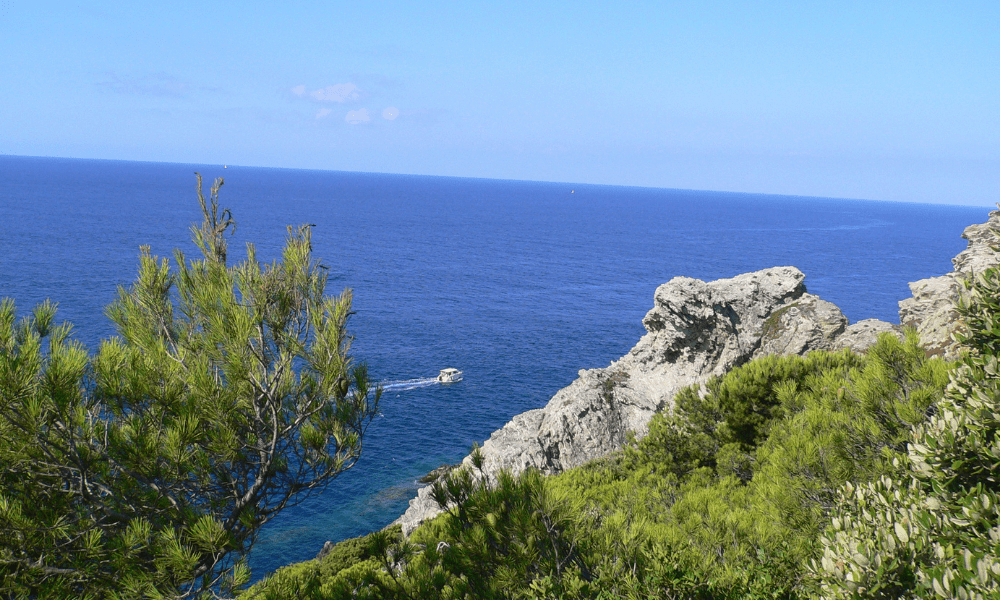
column 449, row 376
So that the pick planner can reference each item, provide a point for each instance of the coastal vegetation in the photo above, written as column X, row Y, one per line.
column 834, row 475
column 148, row 468
column 726, row 497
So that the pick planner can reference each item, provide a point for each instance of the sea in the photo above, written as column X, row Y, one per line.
column 519, row 284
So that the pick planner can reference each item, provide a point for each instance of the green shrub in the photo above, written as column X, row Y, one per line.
column 735, row 513
column 930, row 528
column 334, row 575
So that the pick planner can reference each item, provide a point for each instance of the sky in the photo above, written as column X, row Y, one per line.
column 880, row 100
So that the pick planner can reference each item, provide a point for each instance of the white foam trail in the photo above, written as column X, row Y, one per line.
column 408, row 384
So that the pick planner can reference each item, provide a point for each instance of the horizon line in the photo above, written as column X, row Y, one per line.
column 497, row 179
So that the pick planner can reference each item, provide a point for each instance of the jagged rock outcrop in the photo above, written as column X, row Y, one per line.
column 859, row 336
column 805, row 324
column 696, row 330
column 932, row 308
column 810, row 323
column 326, row 549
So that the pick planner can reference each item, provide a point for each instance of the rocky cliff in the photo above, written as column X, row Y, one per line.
column 931, row 309
column 696, row 330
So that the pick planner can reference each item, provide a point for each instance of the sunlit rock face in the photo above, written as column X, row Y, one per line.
column 931, row 310
column 694, row 331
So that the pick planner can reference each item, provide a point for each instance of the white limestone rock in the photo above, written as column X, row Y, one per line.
column 931, row 309
column 694, row 331
column 802, row 326
column 859, row 336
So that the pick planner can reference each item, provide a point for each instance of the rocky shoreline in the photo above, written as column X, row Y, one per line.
column 697, row 330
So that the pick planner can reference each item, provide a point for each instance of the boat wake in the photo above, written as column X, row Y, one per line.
column 408, row 384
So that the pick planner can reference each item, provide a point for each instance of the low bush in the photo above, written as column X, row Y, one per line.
column 335, row 573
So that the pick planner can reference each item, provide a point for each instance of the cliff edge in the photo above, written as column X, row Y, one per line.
column 694, row 331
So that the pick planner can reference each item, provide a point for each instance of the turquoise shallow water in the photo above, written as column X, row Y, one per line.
column 519, row 284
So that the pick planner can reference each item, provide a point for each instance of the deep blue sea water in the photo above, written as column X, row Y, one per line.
column 519, row 284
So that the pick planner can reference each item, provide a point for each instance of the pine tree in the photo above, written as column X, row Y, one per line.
column 148, row 469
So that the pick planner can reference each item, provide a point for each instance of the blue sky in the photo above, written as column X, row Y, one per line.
column 878, row 100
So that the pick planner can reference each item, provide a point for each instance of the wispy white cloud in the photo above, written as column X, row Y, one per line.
column 299, row 90
column 390, row 113
column 323, row 112
column 340, row 93
column 355, row 117
column 147, row 84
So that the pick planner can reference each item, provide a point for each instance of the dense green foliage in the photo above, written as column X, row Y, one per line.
column 726, row 497
column 931, row 528
column 147, row 469
column 333, row 576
